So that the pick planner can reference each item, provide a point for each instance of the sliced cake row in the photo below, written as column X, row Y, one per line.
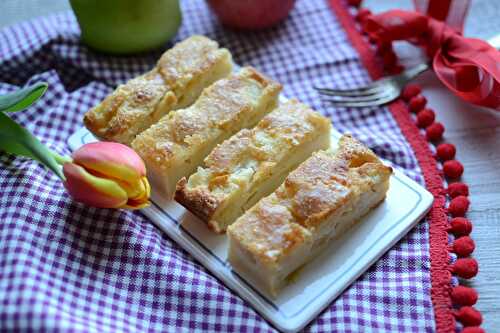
column 223, row 146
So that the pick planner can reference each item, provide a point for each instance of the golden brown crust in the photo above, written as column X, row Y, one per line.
column 174, row 64
column 323, row 184
column 355, row 152
column 119, row 110
column 219, row 107
column 292, row 123
column 232, row 98
column 178, row 142
column 318, row 188
column 139, row 103
column 271, row 224
column 202, row 205
column 251, row 157
column 223, row 157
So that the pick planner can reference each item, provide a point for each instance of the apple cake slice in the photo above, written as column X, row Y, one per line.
column 316, row 204
column 177, row 144
column 175, row 82
column 252, row 164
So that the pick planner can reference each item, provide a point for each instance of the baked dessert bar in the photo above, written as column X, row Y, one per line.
column 252, row 164
column 175, row 146
column 317, row 203
column 175, row 82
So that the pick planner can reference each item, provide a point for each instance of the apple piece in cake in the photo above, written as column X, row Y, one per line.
column 252, row 164
column 175, row 82
column 317, row 203
column 177, row 144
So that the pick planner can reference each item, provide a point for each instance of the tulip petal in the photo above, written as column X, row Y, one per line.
column 134, row 187
column 91, row 190
column 142, row 200
column 147, row 186
column 135, row 205
column 110, row 159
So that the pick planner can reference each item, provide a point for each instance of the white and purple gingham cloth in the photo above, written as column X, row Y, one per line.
column 71, row 268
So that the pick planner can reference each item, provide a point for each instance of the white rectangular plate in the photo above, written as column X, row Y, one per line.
column 318, row 283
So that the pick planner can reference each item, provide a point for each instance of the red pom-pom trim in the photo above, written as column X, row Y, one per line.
column 463, row 246
column 460, row 226
column 417, row 103
column 462, row 295
column 445, row 151
column 458, row 206
column 456, row 189
column 411, row 90
column 469, row 316
column 453, row 169
column 425, row 118
column 465, row 268
column 473, row 329
column 434, row 132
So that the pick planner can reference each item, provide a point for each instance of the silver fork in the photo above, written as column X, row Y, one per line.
column 381, row 91
column 376, row 93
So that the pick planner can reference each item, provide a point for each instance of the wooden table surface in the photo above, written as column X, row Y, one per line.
column 476, row 135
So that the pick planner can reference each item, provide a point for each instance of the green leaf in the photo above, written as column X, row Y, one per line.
column 23, row 98
column 17, row 140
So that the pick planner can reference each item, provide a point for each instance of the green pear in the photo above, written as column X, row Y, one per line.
column 127, row 26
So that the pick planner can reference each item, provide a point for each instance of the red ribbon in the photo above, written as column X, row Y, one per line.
column 469, row 67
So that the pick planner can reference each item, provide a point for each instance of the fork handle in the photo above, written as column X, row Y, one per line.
column 413, row 72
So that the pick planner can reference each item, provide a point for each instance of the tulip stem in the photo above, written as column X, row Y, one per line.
column 60, row 159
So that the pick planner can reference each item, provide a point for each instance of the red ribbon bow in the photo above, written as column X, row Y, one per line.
column 469, row 67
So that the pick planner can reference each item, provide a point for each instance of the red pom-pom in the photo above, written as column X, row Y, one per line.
column 460, row 226
column 435, row 132
column 462, row 295
column 453, row 169
column 465, row 268
column 354, row 3
column 473, row 329
column 417, row 103
column 411, row 90
column 362, row 14
column 456, row 189
column 458, row 206
column 463, row 246
column 446, row 151
column 425, row 118
column 469, row 316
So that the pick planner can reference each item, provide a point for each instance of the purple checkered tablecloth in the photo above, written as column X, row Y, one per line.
column 68, row 267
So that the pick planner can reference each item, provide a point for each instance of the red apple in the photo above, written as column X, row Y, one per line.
column 251, row 14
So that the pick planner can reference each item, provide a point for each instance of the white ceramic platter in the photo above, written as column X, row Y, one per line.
column 319, row 282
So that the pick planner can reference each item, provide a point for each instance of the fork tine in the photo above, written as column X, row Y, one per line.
column 389, row 91
column 376, row 93
column 379, row 100
column 362, row 91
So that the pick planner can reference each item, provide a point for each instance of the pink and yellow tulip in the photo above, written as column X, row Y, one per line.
column 102, row 174
column 107, row 175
